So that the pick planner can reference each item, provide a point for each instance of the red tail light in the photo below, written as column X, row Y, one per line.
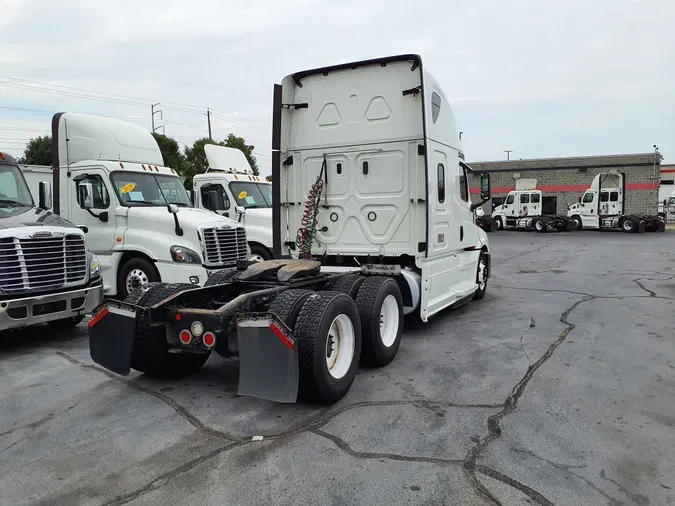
column 209, row 339
column 185, row 337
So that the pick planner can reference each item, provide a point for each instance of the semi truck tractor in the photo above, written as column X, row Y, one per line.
column 372, row 221
column 230, row 188
column 109, row 175
column 47, row 275
column 603, row 206
column 522, row 210
column 669, row 208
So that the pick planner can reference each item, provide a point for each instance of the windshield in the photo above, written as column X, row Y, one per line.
column 142, row 189
column 252, row 195
column 13, row 188
column 671, row 201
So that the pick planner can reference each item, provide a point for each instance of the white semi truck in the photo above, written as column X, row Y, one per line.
column 109, row 175
column 603, row 206
column 47, row 275
column 230, row 188
column 522, row 209
column 372, row 221
column 669, row 208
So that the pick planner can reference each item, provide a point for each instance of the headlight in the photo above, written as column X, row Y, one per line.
column 94, row 267
column 184, row 255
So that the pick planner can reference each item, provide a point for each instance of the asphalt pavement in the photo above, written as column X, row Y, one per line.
column 557, row 388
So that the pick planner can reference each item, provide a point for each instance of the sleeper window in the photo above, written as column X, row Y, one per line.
column 441, row 183
column 525, row 198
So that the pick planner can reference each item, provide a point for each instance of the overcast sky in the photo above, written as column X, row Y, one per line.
column 580, row 77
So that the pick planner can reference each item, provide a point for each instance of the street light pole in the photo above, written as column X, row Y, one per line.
column 508, row 152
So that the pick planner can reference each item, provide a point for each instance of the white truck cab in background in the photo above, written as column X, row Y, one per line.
column 108, row 175
column 230, row 188
column 369, row 175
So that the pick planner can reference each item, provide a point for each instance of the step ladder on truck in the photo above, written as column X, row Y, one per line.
column 604, row 206
column 109, row 175
column 522, row 210
column 372, row 222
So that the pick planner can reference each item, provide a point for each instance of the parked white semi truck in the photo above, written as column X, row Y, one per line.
column 373, row 219
column 669, row 208
column 521, row 210
column 47, row 275
column 603, row 206
column 109, row 175
column 230, row 188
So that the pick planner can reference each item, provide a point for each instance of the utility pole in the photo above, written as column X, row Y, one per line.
column 508, row 151
column 154, row 111
column 208, row 119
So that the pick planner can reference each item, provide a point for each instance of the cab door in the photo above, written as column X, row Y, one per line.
column 100, row 219
column 534, row 208
column 589, row 209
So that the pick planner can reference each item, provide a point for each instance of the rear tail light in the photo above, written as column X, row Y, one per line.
column 185, row 337
column 209, row 339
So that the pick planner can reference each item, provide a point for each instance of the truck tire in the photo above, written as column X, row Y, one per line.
column 540, row 225
column 221, row 277
column 349, row 284
column 260, row 253
column 482, row 281
column 380, row 306
column 328, row 336
column 150, row 353
column 629, row 225
column 287, row 306
column 135, row 273
column 65, row 323
column 576, row 223
column 499, row 224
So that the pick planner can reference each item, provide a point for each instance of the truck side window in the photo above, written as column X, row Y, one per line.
column 441, row 183
column 588, row 197
column 614, row 197
column 101, row 196
column 510, row 199
column 604, row 196
column 525, row 198
column 205, row 195
column 534, row 198
column 463, row 185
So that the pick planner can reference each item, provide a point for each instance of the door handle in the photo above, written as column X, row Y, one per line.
column 461, row 233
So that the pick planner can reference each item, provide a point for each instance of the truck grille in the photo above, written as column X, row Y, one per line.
column 224, row 246
column 41, row 264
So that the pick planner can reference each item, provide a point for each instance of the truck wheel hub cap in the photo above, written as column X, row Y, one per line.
column 389, row 319
column 136, row 278
column 340, row 344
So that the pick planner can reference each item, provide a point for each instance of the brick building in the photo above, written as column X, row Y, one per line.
column 563, row 180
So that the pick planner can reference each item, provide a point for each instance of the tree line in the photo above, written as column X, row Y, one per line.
column 191, row 161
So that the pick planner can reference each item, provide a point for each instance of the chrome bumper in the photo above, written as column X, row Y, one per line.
column 54, row 306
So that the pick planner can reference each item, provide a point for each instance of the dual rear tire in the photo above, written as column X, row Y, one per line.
column 360, row 320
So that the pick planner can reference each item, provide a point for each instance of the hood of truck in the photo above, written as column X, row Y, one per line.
column 188, row 217
column 258, row 215
column 12, row 217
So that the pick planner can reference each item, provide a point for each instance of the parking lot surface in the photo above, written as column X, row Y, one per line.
column 557, row 388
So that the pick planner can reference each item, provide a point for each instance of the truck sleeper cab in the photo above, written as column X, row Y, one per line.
column 109, row 175
column 603, row 206
column 47, row 275
column 229, row 185
column 373, row 218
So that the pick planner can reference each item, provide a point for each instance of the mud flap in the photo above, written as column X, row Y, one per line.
column 268, row 359
column 111, row 336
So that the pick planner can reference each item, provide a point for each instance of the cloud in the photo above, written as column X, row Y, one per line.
column 541, row 78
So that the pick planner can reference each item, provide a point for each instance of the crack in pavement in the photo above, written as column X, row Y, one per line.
column 567, row 469
column 494, row 430
column 182, row 411
column 507, row 480
column 636, row 498
column 520, row 255
column 583, row 294
column 523, row 335
column 313, row 425
column 650, row 292
column 345, row 447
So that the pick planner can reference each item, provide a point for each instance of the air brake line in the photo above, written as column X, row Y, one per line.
column 307, row 232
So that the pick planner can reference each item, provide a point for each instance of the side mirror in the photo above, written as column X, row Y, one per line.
column 239, row 210
column 480, row 212
column 485, row 186
column 173, row 208
column 45, row 195
column 86, row 195
column 191, row 193
column 580, row 199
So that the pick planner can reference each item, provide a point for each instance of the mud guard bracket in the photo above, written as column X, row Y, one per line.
column 268, row 358
column 112, row 330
